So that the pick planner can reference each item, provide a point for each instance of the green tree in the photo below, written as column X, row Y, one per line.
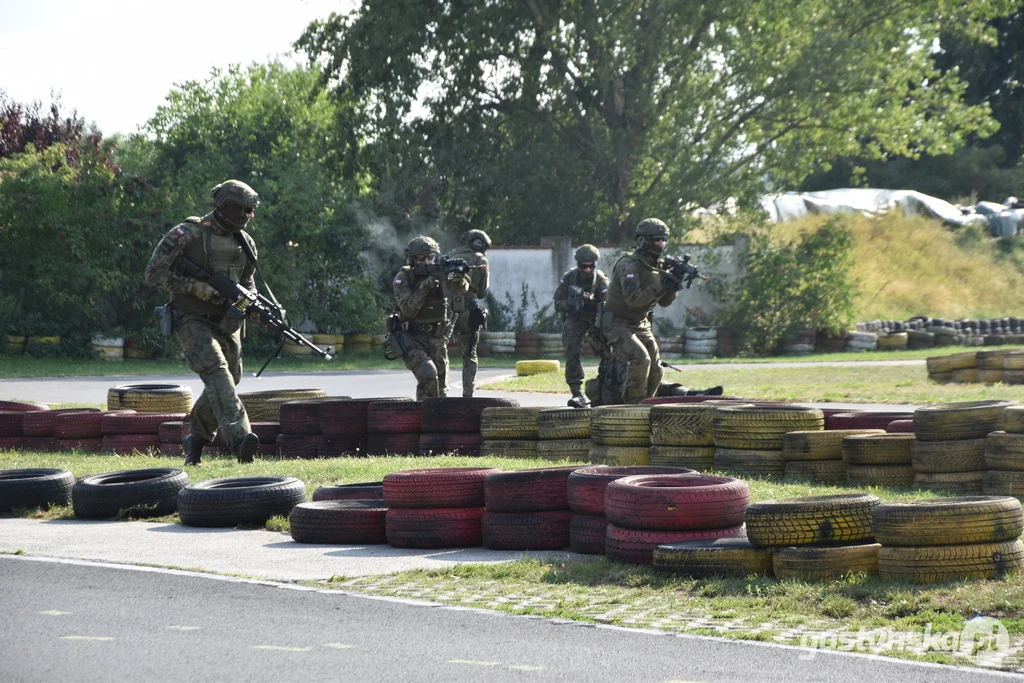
column 274, row 128
column 531, row 117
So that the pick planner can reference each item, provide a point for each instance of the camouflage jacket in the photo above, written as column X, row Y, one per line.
column 636, row 287
column 424, row 304
column 595, row 284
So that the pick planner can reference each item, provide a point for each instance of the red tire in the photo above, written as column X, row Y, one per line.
column 433, row 527
column 586, row 534
column 339, row 445
column 527, row 490
column 585, row 487
column 900, row 427
column 676, row 502
column 137, row 423
column 172, row 448
column 82, row 425
column 11, row 442
column 660, row 400
column 266, row 431
column 543, row 530
column 394, row 417
column 172, row 431
column 339, row 521
column 21, row 406
column 301, row 417
column 87, row 445
column 402, row 443
column 864, row 419
column 457, row 415
column 436, row 488
column 129, row 443
column 298, row 446
column 12, row 423
column 636, row 546
column 456, row 444
column 43, row 422
column 41, row 444
column 371, row 490
column 349, row 416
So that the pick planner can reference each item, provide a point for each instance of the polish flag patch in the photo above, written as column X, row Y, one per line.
column 179, row 231
column 398, row 282
column 630, row 276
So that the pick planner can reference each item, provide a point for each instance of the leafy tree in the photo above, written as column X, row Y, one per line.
column 274, row 128
column 541, row 116
column 26, row 127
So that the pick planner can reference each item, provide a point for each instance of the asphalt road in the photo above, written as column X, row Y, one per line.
column 78, row 622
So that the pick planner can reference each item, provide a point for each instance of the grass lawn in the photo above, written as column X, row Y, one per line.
column 598, row 591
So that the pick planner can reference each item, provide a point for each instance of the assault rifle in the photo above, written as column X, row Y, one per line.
column 242, row 300
column 445, row 266
column 579, row 299
column 681, row 270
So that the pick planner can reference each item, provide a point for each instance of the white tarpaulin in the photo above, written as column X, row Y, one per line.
column 1001, row 219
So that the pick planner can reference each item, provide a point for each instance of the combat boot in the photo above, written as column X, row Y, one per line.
column 713, row 391
column 193, row 447
column 248, row 447
column 578, row 401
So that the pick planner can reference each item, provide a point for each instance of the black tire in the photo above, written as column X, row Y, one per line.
column 542, row 530
column 238, row 500
column 367, row 490
column 128, row 493
column 339, row 522
column 34, row 488
column 586, row 534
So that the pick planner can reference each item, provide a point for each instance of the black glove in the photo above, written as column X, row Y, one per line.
column 670, row 284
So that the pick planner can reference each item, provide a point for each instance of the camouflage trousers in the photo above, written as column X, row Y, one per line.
column 468, row 341
column 215, row 354
column 574, row 334
column 636, row 346
column 428, row 360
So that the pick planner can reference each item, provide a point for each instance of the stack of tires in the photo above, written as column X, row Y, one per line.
column 345, row 425
column 1004, row 456
column 171, row 434
column 549, row 344
column 726, row 346
column 682, row 435
column 700, row 342
column 12, row 422
column 266, row 405
column 150, row 398
column 126, row 433
column 564, row 434
column 748, row 438
column 959, row 368
column 585, row 490
column 394, row 427
column 39, row 428
column 893, row 341
column 920, row 339
column 816, row 537
column 829, row 343
column 949, row 539
column 865, row 419
column 509, row 432
column 234, row 501
column 435, row 508
column 861, row 341
column 949, row 451
column 527, row 344
column 299, row 438
column 672, row 347
column 645, row 511
column 800, row 344
column 879, row 459
column 501, row 343
column 736, row 557
column 990, row 365
column 620, row 435
column 1013, row 367
column 151, row 492
column 83, row 431
column 347, row 514
column 818, row 455
column 527, row 509
column 452, row 425
column 34, row 488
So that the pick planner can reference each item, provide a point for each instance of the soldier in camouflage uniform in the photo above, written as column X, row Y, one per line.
column 577, row 296
column 471, row 317
column 638, row 283
column 212, row 339
column 424, row 319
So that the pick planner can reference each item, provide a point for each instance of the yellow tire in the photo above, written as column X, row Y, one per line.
column 150, row 398
column 810, row 563
column 720, row 557
column 700, row 458
column 619, row 455
column 577, row 450
column 266, row 405
column 535, row 367
column 940, row 563
column 359, row 338
column 564, row 423
column 819, row 445
column 811, row 520
column 509, row 448
column 819, row 471
column 948, row 521
column 508, row 422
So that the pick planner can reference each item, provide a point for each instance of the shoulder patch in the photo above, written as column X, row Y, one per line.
column 193, row 219
column 179, row 231
column 630, row 276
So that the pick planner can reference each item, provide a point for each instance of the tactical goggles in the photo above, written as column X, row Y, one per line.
column 586, row 266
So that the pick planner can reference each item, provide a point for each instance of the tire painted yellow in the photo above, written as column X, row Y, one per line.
column 535, row 367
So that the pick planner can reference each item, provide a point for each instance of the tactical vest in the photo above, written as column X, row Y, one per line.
column 588, row 283
column 463, row 302
column 435, row 306
column 216, row 254
column 647, row 275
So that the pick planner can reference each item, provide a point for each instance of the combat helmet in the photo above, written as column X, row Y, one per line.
column 647, row 231
column 476, row 240
column 233, row 192
column 587, row 253
column 419, row 245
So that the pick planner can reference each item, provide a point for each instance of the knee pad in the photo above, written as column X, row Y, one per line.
column 426, row 370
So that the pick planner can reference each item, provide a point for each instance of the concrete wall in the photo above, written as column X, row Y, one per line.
column 540, row 267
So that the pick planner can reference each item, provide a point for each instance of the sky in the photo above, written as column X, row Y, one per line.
column 114, row 61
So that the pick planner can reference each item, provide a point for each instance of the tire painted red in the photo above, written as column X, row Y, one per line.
column 864, row 419
column 900, row 427
column 129, row 443
column 137, row 423
column 298, row 446
column 676, row 502
column 436, row 488
column 12, row 423
column 542, row 530
column 636, row 546
column 401, row 443
column 457, row 444
column 433, row 527
column 11, row 442
column 585, row 487
column 43, row 422
column 172, row 431
column 586, row 534
column 458, row 415
column 94, row 445
column 352, row 521
column 394, row 417
column 266, row 431
column 341, row 445
column 41, row 444
column 21, row 406
column 349, row 416
column 660, row 400
column 527, row 490
column 301, row 417
column 84, row 425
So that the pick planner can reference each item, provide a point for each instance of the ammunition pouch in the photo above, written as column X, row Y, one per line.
column 166, row 318
column 477, row 318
